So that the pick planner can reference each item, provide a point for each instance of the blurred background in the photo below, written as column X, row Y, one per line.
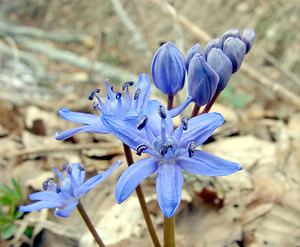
column 53, row 53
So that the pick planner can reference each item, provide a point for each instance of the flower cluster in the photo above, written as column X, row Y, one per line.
column 64, row 196
column 146, row 126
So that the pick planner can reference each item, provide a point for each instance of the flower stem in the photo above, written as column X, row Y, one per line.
column 142, row 201
column 89, row 225
column 169, row 231
column 170, row 102
column 195, row 111
column 210, row 104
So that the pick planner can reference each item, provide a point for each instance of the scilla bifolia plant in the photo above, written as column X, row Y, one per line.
column 146, row 126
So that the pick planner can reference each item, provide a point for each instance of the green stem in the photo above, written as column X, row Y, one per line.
column 89, row 225
column 142, row 201
column 169, row 231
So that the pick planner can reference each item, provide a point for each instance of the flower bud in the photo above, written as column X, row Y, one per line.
column 168, row 69
column 221, row 65
column 232, row 33
column 202, row 80
column 215, row 43
column 235, row 49
column 194, row 49
column 248, row 37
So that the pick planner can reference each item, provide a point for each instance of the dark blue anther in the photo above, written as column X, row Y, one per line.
column 141, row 148
column 92, row 95
column 45, row 185
column 164, row 149
column 137, row 94
column 184, row 122
column 95, row 105
column 127, row 84
column 118, row 95
column 162, row 113
column 191, row 149
column 58, row 189
column 142, row 123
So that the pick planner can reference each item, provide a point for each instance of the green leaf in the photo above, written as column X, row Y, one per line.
column 18, row 189
column 8, row 231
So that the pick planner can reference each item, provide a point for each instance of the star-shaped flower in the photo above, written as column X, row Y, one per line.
column 171, row 152
column 64, row 196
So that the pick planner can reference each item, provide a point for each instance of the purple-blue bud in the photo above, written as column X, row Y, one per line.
column 232, row 33
column 215, row 43
column 248, row 37
column 168, row 69
column 202, row 80
column 221, row 65
column 235, row 49
column 194, row 49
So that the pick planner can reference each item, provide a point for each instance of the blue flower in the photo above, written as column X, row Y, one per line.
column 170, row 152
column 202, row 80
column 121, row 106
column 65, row 196
column 168, row 69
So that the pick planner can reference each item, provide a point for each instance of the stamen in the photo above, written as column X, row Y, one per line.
column 141, row 148
column 109, row 89
column 127, row 84
column 162, row 113
column 58, row 189
column 137, row 94
column 118, row 95
column 46, row 183
column 164, row 149
column 142, row 123
column 184, row 122
column 191, row 149
column 93, row 93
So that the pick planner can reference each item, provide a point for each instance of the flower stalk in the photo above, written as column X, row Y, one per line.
column 169, row 231
column 210, row 104
column 142, row 201
column 89, row 224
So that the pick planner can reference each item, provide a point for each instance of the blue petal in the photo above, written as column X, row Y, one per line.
column 169, row 181
column 78, row 173
column 194, row 49
column 66, row 211
column 98, row 129
column 176, row 111
column 125, row 130
column 48, row 196
column 232, row 33
column 78, row 117
column 206, row 164
column 248, row 37
column 215, row 43
column 38, row 206
column 222, row 66
column 133, row 176
column 154, row 120
column 235, row 49
column 92, row 182
column 202, row 80
column 143, row 83
column 200, row 128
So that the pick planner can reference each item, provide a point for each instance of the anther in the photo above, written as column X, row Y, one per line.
column 127, row 84
column 137, row 94
column 184, row 122
column 95, row 105
column 141, row 148
column 58, row 189
column 191, row 149
column 92, row 95
column 118, row 95
column 142, row 123
column 164, row 149
column 162, row 113
column 46, row 183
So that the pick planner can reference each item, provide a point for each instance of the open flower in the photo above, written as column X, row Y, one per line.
column 64, row 196
column 171, row 151
column 121, row 106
